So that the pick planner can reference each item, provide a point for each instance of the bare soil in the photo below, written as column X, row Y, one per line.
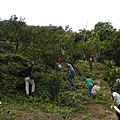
column 96, row 112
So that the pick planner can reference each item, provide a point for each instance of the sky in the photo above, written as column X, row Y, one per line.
column 78, row 14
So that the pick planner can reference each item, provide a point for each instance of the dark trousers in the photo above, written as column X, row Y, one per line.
column 89, row 91
column 70, row 76
column 118, row 114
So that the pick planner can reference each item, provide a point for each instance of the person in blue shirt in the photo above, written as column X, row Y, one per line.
column 116, row 100
column 71, row 74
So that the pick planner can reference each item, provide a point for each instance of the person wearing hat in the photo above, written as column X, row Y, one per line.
column 59, row 63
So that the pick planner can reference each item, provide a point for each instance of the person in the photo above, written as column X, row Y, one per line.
column 59, row 63
column 90, row 63
column 72, row 73
column 90, row 84
column 116, row 100
column 28, row 78
column 118, row 80
column 0, row 102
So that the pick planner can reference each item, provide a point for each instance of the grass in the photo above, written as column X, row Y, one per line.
column 72, row 103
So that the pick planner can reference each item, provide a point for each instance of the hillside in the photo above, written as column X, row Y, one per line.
column 72, row 103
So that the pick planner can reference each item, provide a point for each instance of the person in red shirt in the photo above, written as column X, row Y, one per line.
column 59, row 63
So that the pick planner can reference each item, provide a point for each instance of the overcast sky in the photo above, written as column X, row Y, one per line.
column 78, row 14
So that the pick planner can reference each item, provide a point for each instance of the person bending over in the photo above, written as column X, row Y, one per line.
column 116, row 100
column 90, row 84
column 71, row 74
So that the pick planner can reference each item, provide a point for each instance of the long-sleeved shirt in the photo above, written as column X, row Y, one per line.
column 27, row 71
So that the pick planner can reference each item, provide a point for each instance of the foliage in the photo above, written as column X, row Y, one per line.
column 21, row 43
column 112, row 74
column 53, row 94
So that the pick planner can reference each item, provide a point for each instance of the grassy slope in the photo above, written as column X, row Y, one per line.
column 19, row 107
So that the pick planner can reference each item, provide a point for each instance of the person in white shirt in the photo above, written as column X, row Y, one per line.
column 116, row 100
